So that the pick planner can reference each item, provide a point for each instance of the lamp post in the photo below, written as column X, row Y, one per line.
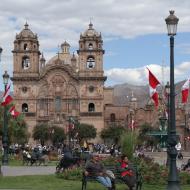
column 173, row 178
column 5, row 125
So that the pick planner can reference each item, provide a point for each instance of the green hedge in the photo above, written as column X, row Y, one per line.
column 152, row 172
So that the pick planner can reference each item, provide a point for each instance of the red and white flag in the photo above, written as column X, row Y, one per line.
column 13, row 112
column 185, row 91
column 153, row 83
column 6, row 97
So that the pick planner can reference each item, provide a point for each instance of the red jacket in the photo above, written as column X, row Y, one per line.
column 128, row 171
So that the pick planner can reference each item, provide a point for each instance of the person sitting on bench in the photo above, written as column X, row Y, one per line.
column 127, row 172
column 96, row 169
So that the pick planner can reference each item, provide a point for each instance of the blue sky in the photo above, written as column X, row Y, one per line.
column 134, row 34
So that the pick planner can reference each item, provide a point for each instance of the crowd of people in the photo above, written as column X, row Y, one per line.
column 93, row 165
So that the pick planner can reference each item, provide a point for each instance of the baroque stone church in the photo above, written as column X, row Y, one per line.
column 70, row 85
column 67, row 85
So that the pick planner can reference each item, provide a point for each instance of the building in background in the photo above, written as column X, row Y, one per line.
column 71, row 85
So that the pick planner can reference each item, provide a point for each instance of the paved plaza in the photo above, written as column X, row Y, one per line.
column 159, row 157
column 27, row 170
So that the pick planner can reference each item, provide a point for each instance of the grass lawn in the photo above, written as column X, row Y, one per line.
column 50, row 182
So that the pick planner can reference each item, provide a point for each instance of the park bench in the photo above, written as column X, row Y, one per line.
column 86, row 179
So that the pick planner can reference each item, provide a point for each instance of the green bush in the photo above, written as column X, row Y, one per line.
column 152, row 173
column 184, row 178
column 71, row 174
column 128, row 143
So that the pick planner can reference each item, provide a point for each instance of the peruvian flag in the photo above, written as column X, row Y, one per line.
column 6, row 97
column 185, row 91
column 13, row 112
column 153, row 83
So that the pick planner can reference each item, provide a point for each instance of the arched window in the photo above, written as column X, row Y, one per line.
column 25, row 107
column 58, row 104
column 91, row 107
column 25, row 62
column 90, row 62
column 112, row 117
column 25, row 47
column 90, row 46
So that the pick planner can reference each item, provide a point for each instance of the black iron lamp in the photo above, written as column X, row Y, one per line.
column 173, row 178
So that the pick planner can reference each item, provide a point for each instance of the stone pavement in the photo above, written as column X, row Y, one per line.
column 27, row 170
column 161, row 158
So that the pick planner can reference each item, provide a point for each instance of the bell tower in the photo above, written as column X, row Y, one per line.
column 91, row 76
column 26, row 65
column 26, row 54
column 91, row 53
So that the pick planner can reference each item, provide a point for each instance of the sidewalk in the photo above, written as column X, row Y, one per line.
column 161, row 157
column 27, row 170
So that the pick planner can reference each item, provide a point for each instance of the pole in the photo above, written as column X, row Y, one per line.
column 168, row 129
column 185, row 129
column 5, row 136
column 173, row 179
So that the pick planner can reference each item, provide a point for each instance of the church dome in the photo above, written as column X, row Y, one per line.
column 90, row 32
column 26, row 33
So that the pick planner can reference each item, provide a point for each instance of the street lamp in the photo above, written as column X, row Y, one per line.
column 5, row 125
column 173, row 178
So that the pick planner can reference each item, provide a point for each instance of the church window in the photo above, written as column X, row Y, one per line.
column 91, row 89
column 25, row 62
column 112, row 117
column 91, row 107
column 24, row 107
column 74, row 103
column 24, row 89
column 34, row 46
column 90, row 46
column 58, row 104
column 25, row 47
column 90, row 62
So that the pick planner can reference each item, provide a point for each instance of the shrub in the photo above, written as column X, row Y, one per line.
column 71, row 174
column 184, row 178
column 128, row 143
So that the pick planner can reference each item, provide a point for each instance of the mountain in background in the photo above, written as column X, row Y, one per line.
column 123, row 93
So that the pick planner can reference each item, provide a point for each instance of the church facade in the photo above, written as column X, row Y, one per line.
column 68, row 85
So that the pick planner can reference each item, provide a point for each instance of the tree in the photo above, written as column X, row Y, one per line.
column 85, row 131
column 41, row 133
column 143, row 137
column 17, row 128
column 57, row 135
column 113, row 133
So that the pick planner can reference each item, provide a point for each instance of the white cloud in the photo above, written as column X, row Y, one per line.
column 60, row 20
column 139, row 76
